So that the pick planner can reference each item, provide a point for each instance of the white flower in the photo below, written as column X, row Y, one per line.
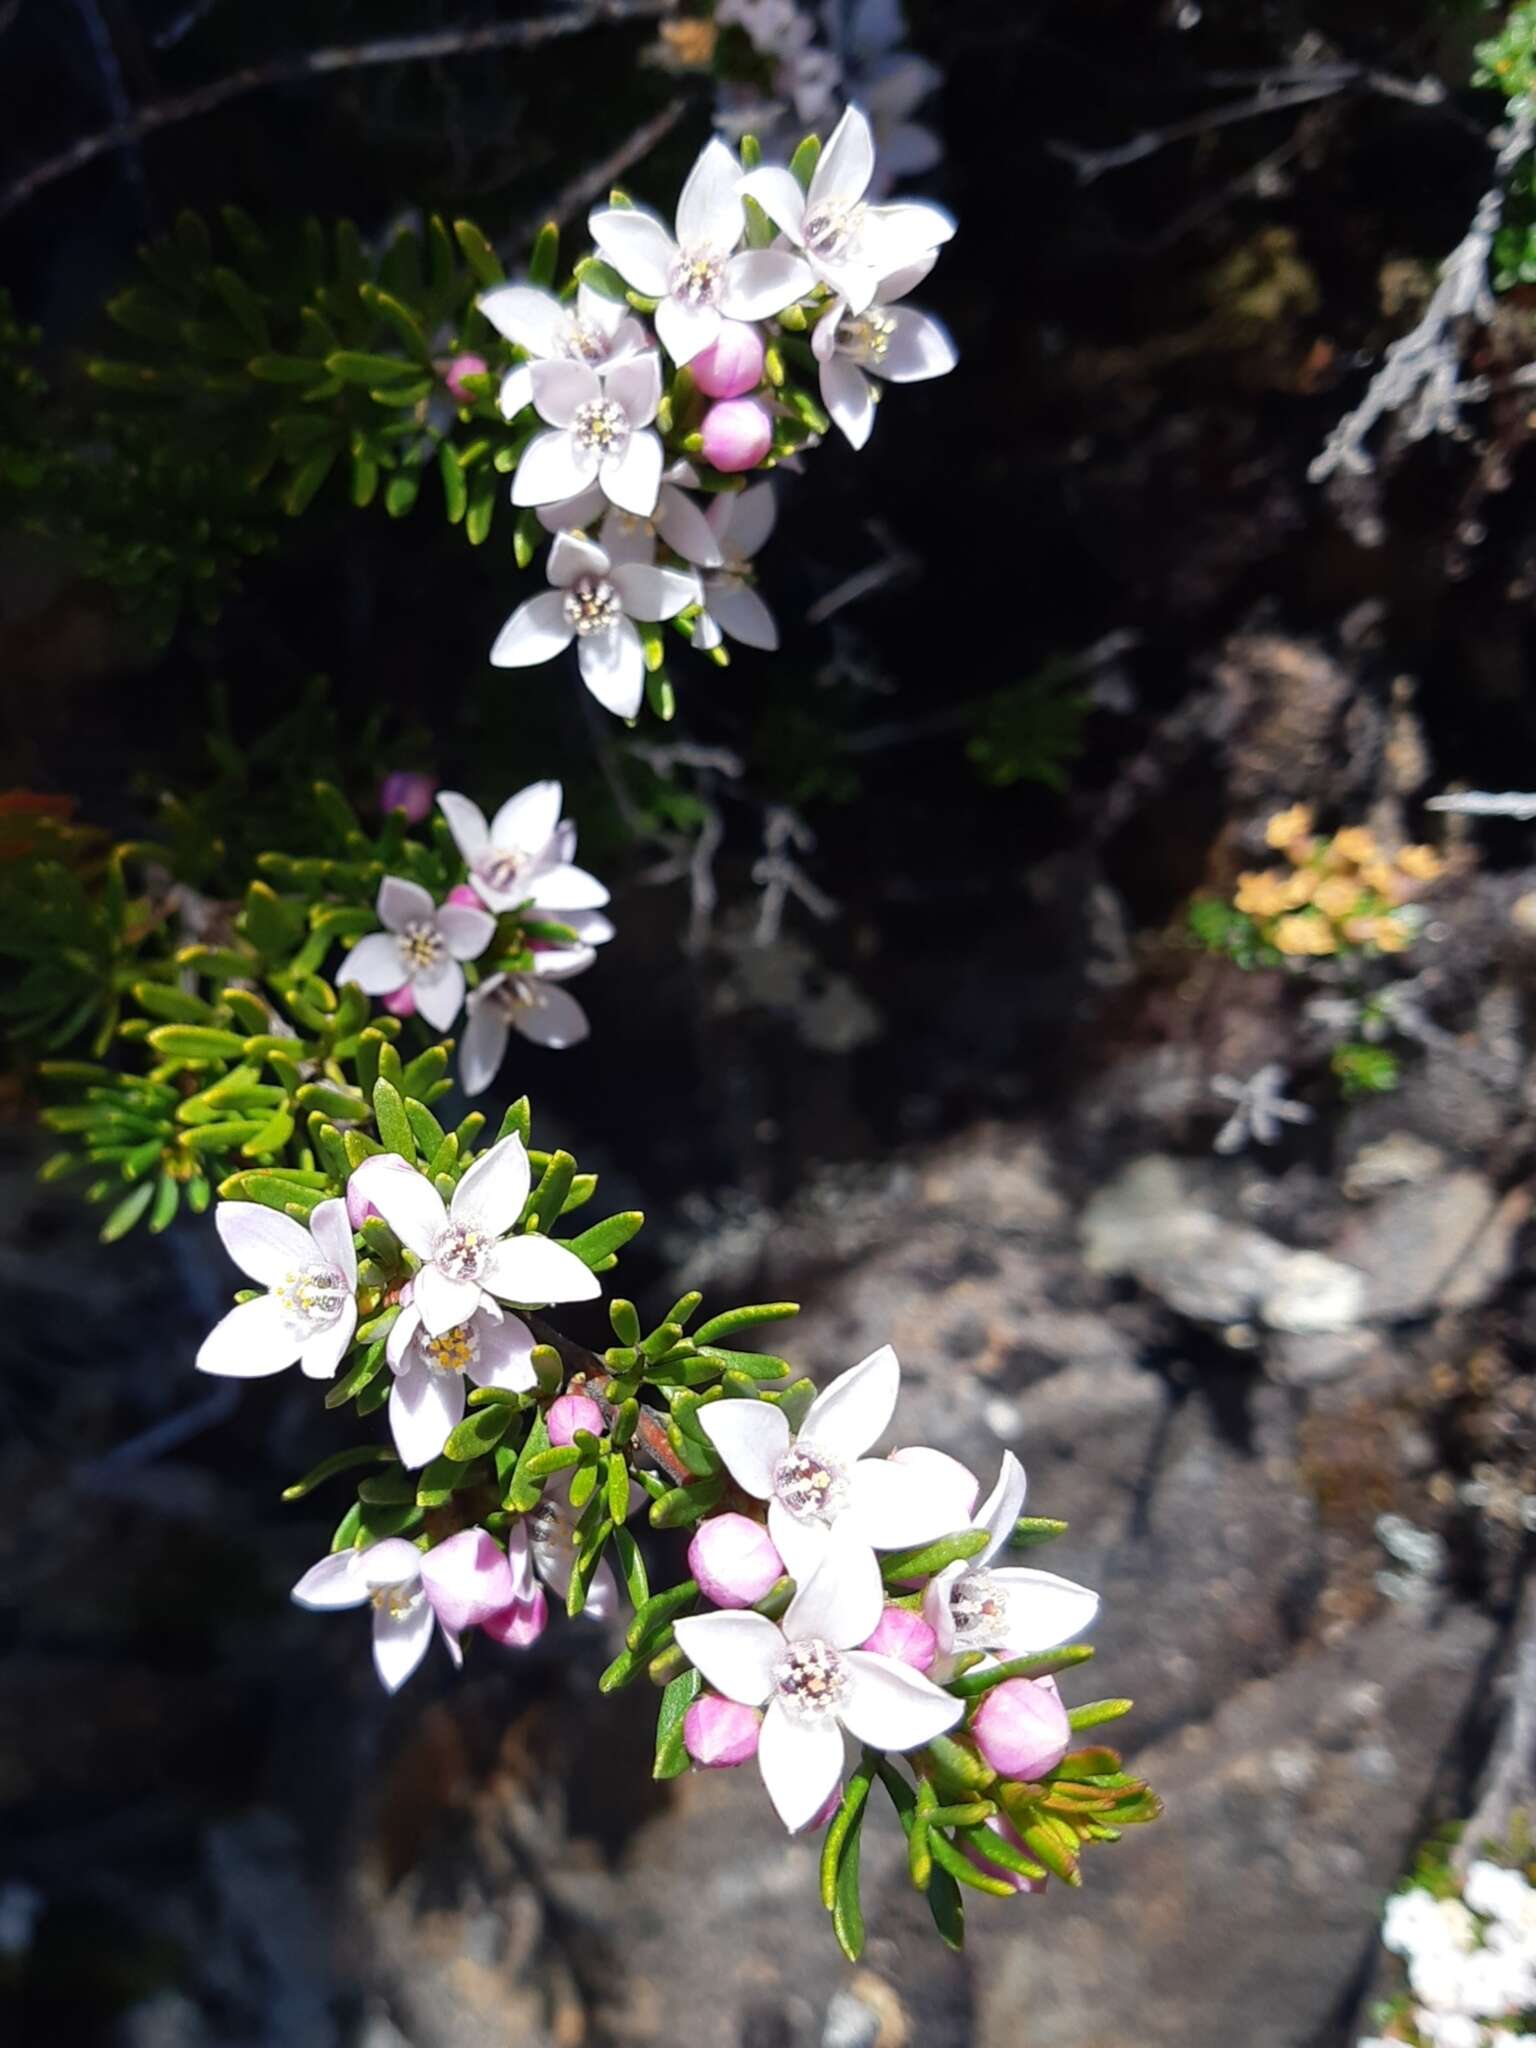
column 1502, row 1895
column 893, row 89
column 530, row 1004
column 888, row 341
column 545, row 1543
column 625, row 537
column 457, row 1584
column 524, row 854
column 428, row 1398
column 421, row 944
column 309, row 1311
column 467, row 1257
column 849, row 244
column 696, row 278
column 820, row 1480
column 1015, row 1610
column 814, row 1682
column 597, row 332
column 599, row 431
column 741, row 522
column 594, row 602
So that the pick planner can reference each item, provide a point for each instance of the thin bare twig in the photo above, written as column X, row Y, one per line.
column 323, row 63
column 577, row 196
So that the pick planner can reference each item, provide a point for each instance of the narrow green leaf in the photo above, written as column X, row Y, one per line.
column 1031, row 1530
column 339, row 1461
column 1041, row 1665
column 671, row 1756
column 479, row 1432
column 1094, row 1713
column 604, row 1239
column 929, row 1558
column 394, row 1125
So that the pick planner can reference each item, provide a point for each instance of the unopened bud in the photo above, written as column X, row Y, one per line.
column 520, row 1624
column 456, row 369
column 467, row 1579
column 905, row 1636
column 461, row 892
column 734, row 1560
column 570, row 1413
column 736, row 435
column 400, row 1002
column 1021, row 1728
column 405, row 790
column 732, row 364
column 720, row 1734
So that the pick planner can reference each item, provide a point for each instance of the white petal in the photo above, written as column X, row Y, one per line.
column 506, row 1355
column 684, row 330
column 854, row 277
column 444, row 1302
column 1043, row 1610
column 841, row 1602
column 761, row 282
column 402, row 1330
column 709, row 214
column 613, row 669
column 440, row 996
column 406, row 1199
column 482, row 1047
column 937, row 1611
column 846, row 1418
column 403, row 903
column 752, row 513
column 566, row 888
column 526, row 822
column 252, row 1340
column 535, row 1269
column 602, row 1601
column 534, row 320
column 633, row 476
column 552, row 467
column 684, row 528
column 957, row 1481
column 400, row 1642
column 706, row 633
column 516, row 392
column 893, row 237
column 1001, row 1508
column 554, row 1019
column 491, row 1195
column 627, row 537
column 562, row 388
column 900, row 282
column 894, row 1506
column 423, row 1407
column 572, row 557
column 918, row 347
column 637, row 245
column 846, row 165
column 650, row 593
column 466, row 821
column 751, row 1437
column 891, row 1706
column 572, row 512
column 735, row 1650
column 333, row 1583
column 824, row 333
column 778, row 193
column 325, row 1350
column 520, row 1561
column 466, row 932
column 846, row 394
column 394, row 1562
column 741, row 613
column 537, row 631
column 374, row 963
column 590, row 926
column 801, row 1762
column 265, row 1244
column 802, row 1545
column 635, row 384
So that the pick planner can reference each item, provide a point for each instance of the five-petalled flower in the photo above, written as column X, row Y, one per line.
column 420, row 948
column 532, row 1004
column 892, row 342
column 599, row 430
column 427, row 1401
column 741, row 522
column 309, row 1311
column 523, row 856
column 596, row 331
column 456, row 1585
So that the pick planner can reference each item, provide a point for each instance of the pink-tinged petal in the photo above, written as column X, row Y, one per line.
column 1021, row 1728
column 516, row 393
column 444, row 1303
column 491, row 1195
column 637, row 245
column 751, row 1437
column 651, row 593
column 635, row 384
column 801, row 1762
column 526, row 822
column 333, row 1583
column 734, row 1561
column 892, row 1707
column 553, row 467
column 732, row 365
column 602, row 1601
column 394, row 1562
column 440, row 996
column 331, row 1230
column 554, row 1019
column 482, row 1047
column 265, row 1244
column 802, row 1545
column 519, row 1626
column 613, row 669
column 406, row 1199
column 569, row 1415
column 761, row 282
column 506, row 1356
column 374, row 963
column 684, row 528
column 846, row 165
column 535, row 1269
column 685, row 331
column 1002, row 1508
column 841, row 1602
column 1043, row 1610
column 452, row 1645
column 632, row 478
column 846, row 394
column 424, row 1406
column 531, row 319
column 400, row 1642
column 709, row 211
column 403, row 903
column 252, row 1341
column 562, row 388
column 893, row 1506
column 846, row 1418
column 739, row 610
column 905, row 1637
column 466, row 932
column 537, row 631
column 737, row 434
column 749, row 519
column 718, row 1734
column 778, row 193
column 735, row 1651
column 466, row 821
column 325, row 1350
column 567, row 888
column 467, row 1579
column 572, row 557
column 919, row 347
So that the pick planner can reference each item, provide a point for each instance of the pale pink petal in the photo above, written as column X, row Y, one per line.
column 709, row 214
column 651, row 593
column 520, row 1561
column 892, row 1707
column 423, row 1407
column 842, row 1600
column 444, row 1303
column 440, row 996
column 406, row 1199
column 374, row 963
column 491, row 1195
column 403, row 903
column 252, row 1341
column 534, row 1269
column 466, row 821
column 846, row 394
column 400, row 1642
column 735, row 1650
column 632, row 478
column 801, row 1762
column 907, row 279
column 685, row 331
column 466, row 932
column 532, row 319
column 761, row 282
column 334, row 1582
column 846, row 1418
column 537, row 631
column 1002, row 1508
column 325, row 1350
column 751, row 1437
column 553, row 466
column 637, row 245
column 635, row 384
column 264, row 1243
column 467, row 1579
column 519, row 1626
column 613, row 669
column 506, row 1356
column 895, row 237
column 778, row 193
column 526, row 822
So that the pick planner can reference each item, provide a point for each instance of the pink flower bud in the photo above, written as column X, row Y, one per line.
column 732, row 364
column 940, row 1472
column 734, row 1560
column 737, row 434
column 1001, row 1825
column 1021, row 1728
column 405, row 790
column 359, row 1209
column 456, row 368
column 720, row 1734
column 467, row 1579
column 519, row 1625
column 461, row 892
column 905, row 1636
column 570, row 1413
column 400, row 1002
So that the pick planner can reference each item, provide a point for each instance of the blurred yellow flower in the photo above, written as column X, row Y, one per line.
column 1286, row 827
column 1422, row 863
column 1355, row 844
column 1304, row 933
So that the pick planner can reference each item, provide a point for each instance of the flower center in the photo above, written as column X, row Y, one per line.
column 830, row 229
column 812, row 1487
column 979, row 1605
column 397, row 1601
column 583, row 344
column 312, row 1296
column 421, row 948
column 592, row 605
column 455, row 1351
column 500, row 870
column 811, row 1680
column 866, row 336
column 461, row 1252
column 601, row 426
column 696, row 277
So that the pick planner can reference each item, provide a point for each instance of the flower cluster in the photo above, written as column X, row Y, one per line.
column 1470, row 1960
column 626, row 430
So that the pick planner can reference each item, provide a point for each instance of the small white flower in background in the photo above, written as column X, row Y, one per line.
column 427, row 1401
column 599, row 431
column 890, row 83
column 421, row 946
column 741, row 522
column 524, row 854
column 468, row 1259
column 849, row 244
column 456, row 1585
column 1013, row 1610
column 532, row 1005
column 894, row 343
column 1502, row 1895
column 698, row 278
column 625, row 537
column 820, row 1481
column 813, row 1680
column 596, row 331
column 594, row 602
column 309, row 1312
column 1262, row 1107
column 544, row 1543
